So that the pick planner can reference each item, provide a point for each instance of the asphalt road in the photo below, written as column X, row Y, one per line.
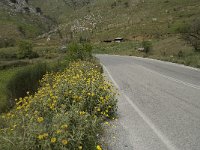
column 159, row 104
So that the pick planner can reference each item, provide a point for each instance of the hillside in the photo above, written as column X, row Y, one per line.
column 102, row 19
column 18, row 19
column 133, row 18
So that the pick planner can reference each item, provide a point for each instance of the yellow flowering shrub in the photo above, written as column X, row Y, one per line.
column 66, row 112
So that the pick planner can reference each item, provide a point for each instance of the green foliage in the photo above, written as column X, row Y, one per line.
column 124, row 48
column 126, row 4
column 14, row 83
column 147, row 45
column 7, row 56
column 21, row 30
column 79, row 51
column 191, row 34
column 7, row 42
column 5, row 76
column 25, row 50
column 182, row 28
column 26, row 79
column 180, row 54
column 67, row 111
column 12, row 64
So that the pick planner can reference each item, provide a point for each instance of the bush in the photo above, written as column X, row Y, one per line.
column 79, row 51
column 33, row 55
column 7, row 65
column 7, row 42
column 191, row 33
column 180, row 54
column 25, row 50
column 7, row 56
column 126, row 4
column 66, row 113
column 147, row 45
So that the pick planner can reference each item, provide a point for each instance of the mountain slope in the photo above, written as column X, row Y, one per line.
column 129, row 18
column 105, row 19
column 18, row 19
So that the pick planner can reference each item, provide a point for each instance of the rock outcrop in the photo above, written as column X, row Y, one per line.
column 19, row 6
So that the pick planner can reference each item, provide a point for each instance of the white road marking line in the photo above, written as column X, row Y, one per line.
column 173, row 79
column 160, row 135
column 160, row 61
column 167, row 62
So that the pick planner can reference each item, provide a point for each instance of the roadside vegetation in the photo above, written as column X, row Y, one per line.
column 66, row 111
column 173, row 49
column 20, row 71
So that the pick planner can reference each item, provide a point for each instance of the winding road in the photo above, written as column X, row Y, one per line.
column 159, row 104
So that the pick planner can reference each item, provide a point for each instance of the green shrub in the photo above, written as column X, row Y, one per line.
column 7, row 56
column 6, row 65
column 7, row 42
column 191, row 33
column 33, row 55
column 79, row 51
column 180, row 54
column 25, row 50
column 147, row 45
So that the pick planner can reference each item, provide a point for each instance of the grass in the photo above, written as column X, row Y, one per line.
column 172, row 49
column 134, row 21
column 5, row 76
column 8, row 56
column 125, row 48
column 23, row 79
column 15, row 82
column 18, row 25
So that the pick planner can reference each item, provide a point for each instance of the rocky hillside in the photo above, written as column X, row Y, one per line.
column 19, row 6
column 19, row 19
column 98, row 19
column 132, row 19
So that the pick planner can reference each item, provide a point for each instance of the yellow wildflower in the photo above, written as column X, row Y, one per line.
column 80, row 147
column 64, row 142
column 65, row 126
column 106, row 123
column 45, row 134
column 19, row 107
column 99, row 147
column 82, row 113
column 58, row 131
column 40, row 119
column 40, row 137
column 53, row 140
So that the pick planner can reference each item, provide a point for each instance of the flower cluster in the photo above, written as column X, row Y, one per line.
column 65, row 113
